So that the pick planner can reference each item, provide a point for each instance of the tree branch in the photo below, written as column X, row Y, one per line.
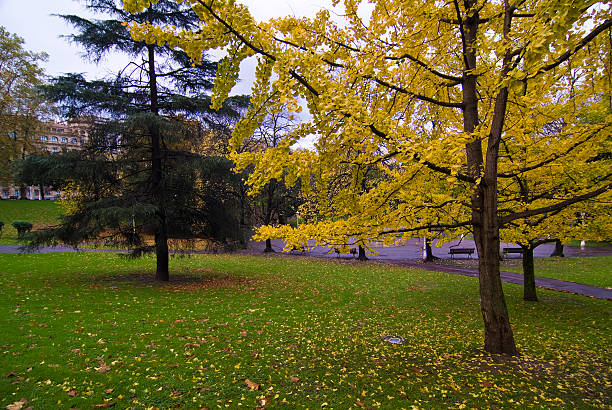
column 565, row 56
column 417, row 96
column 454, row 80
column 552, row 208
column 545, row 162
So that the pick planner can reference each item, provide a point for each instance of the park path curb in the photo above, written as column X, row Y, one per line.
column 516, row 278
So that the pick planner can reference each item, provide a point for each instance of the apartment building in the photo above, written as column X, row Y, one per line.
column 54, row 137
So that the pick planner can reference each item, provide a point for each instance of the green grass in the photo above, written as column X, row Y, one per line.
column 80, row 330
column 40, row 213
column 595, row 271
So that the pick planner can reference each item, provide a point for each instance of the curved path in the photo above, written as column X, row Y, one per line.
column 516, row 278
column 409, row 255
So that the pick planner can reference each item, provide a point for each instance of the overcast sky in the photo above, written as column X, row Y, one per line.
column 33, row 20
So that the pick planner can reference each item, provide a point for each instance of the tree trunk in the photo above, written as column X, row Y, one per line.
column 498, row 333
column 529, row 285
column 23, row 192
column 42, row 192
column 429, row 256
column 558, row 249
column 499, row 338
column 161, row 228
column 362, row 255
column 269, row 207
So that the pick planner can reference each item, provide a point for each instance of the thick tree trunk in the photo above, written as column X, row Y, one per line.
column 529, row 285
column 161, row 229
column 268, row 246
column 558, row 249
column 498, row 333
column 499, row 338
column 23, row 192
column 42, row 192
column 362, row 254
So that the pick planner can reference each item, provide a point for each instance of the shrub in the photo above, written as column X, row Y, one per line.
column 22, row 227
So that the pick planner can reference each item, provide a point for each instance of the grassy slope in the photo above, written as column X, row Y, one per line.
column 590, row 271
column 80, row 330
column 40, row 213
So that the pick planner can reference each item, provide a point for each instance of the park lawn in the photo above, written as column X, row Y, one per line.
column 83, row 330
column 40, row 213
column 595, row 271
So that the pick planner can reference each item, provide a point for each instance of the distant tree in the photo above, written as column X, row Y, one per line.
column 22, row 106
column 276, row 202
column 37, row 170
column 144, row 172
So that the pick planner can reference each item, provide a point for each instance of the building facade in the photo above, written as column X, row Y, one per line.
column 55, row 137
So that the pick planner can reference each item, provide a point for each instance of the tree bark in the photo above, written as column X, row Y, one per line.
column 362, row 255
column 268, row 210
column 529, row 285
column 429, row 256
column 161, row 229
column 499, row 338
column 42, row 192
column 558, row 249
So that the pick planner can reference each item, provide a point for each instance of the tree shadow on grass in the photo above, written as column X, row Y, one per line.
column 179, row 281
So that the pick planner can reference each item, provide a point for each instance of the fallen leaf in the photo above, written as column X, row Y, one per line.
column 252, row 385
column 103, row 405
column 103, row 368
column 109, row 391
column 18, row 405
column 294, row 379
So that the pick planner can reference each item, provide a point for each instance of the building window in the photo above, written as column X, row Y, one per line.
column 54, row 149
column 82, row 141
column 73, row 140
column 54, row 139
column 17, row 193
column 60, row 130
column 64, row 139
column 5, row 193
column 43, row 138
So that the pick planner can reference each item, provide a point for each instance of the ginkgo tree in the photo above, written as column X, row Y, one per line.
column 492, row 73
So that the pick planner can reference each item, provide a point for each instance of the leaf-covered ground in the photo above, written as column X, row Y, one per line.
column 40, row 213
column 85, row 330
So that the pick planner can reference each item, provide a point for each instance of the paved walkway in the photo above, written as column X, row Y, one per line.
column 409, row 254
column 516, row 278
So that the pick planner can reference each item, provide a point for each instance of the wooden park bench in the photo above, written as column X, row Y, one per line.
column 352, row 251
column 461, row 251
column 508, row 251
